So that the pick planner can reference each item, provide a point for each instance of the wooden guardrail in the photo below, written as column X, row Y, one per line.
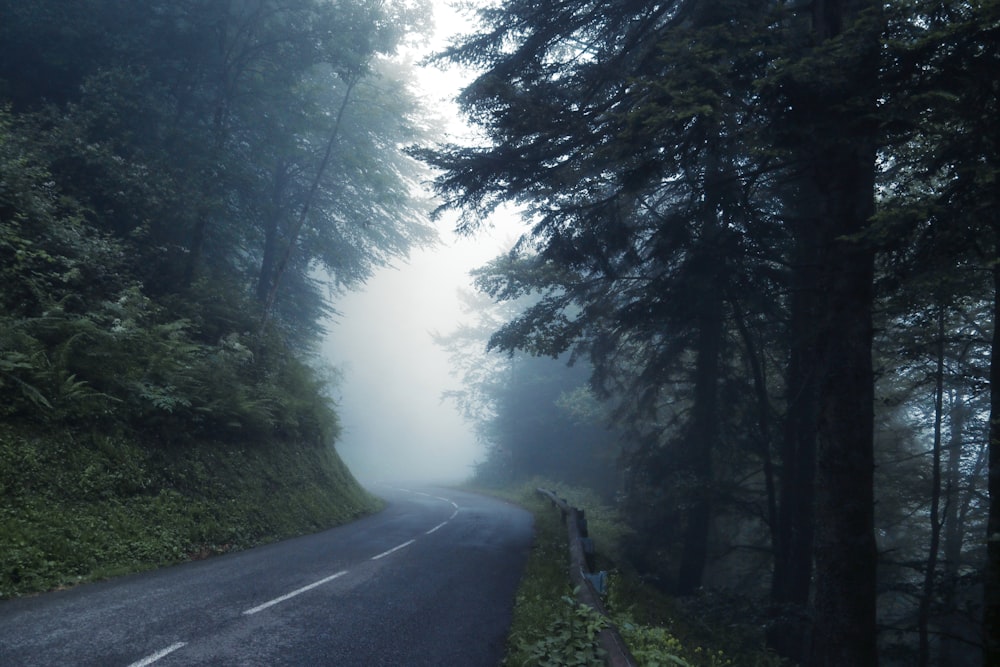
column 580, row 573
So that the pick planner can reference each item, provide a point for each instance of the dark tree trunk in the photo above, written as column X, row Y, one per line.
column 792, row 577
column 763, row 406
column 199, row 233
column 709, row 265
column 954, row 530
column 844, row 632
column 924, row 608
column 991, row 575
column 839, row 151
column 704, row 436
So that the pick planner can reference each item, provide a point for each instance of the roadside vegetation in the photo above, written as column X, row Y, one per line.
column 550, row 629
column 183, row 188
column 80, row 507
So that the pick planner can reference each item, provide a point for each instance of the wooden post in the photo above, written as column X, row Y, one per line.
column 616, row 652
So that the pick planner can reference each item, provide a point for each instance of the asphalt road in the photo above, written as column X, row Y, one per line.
column 428, row 581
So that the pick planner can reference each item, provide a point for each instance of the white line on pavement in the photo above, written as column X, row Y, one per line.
column 294, row 593
column 396, row 548
column 440, row 525
column 150, row 659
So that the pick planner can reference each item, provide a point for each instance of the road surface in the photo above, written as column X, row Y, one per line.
column 428, row 581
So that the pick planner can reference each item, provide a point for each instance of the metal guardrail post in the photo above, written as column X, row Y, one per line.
column 616, row 652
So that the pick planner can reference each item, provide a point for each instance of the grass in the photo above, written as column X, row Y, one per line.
column 79, row 508
column 550, row 630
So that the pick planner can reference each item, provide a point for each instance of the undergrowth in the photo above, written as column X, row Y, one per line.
column 550, row 629
column 76, row 508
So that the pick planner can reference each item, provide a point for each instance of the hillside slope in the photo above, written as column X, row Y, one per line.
column 80, row 507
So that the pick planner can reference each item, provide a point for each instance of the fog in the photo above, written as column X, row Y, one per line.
column 395, row 424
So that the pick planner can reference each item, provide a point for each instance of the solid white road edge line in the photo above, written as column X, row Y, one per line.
column 294, row 593
column 396, row 548
column 440, row 525
column 150, row 659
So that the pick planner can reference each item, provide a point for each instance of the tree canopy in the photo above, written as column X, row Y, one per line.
column 184, row 185
column 727, row 198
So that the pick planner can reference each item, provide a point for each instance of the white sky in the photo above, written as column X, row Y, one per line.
column 395, row 425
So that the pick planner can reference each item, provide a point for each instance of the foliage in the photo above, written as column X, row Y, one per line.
column 82, row 507
column 736, row 207
column 141, row 202
column 549, row 628
column 569, row 640
column 155, row 158
column 530, row 412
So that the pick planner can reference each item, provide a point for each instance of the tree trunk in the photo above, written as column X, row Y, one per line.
column 708, row 264
column 924, row 608
column 271, row 226
column 954, row 531
column 792, row 577
column 839, row 152
column 991, row 575
column 704, row 437
column 844, row 632
column 351, row 81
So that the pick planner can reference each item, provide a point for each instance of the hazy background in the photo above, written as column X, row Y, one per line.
column 396, row 426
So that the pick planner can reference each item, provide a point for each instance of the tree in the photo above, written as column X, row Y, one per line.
column 187, row 136
column 645, row 140
column 534, row 415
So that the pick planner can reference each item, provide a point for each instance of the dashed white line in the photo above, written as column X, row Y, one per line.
column 396, row 548
column 297, row 591
column 440, row 525
column 150, row 659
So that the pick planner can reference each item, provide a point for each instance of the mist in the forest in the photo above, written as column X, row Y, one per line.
column 396, row 426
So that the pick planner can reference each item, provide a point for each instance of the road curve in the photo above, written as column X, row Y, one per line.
column 428, row 581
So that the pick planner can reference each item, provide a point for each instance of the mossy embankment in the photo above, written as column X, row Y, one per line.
column 76, row 507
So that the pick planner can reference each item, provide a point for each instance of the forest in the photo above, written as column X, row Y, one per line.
column 184, row 185
column 766, row 235
column 755, row 309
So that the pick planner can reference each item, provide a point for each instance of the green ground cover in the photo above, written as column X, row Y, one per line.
column 550, row 630
column 76, row 508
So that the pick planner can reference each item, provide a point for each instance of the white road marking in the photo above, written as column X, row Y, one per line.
column 396, row 548
column 150, row 659
column 294, row 593
column 440, row 525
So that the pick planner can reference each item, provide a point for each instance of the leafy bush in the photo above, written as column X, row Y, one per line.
column 570, row 640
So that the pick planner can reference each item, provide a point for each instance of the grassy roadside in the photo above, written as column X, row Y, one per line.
column 549, row 630
column 77, row 508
